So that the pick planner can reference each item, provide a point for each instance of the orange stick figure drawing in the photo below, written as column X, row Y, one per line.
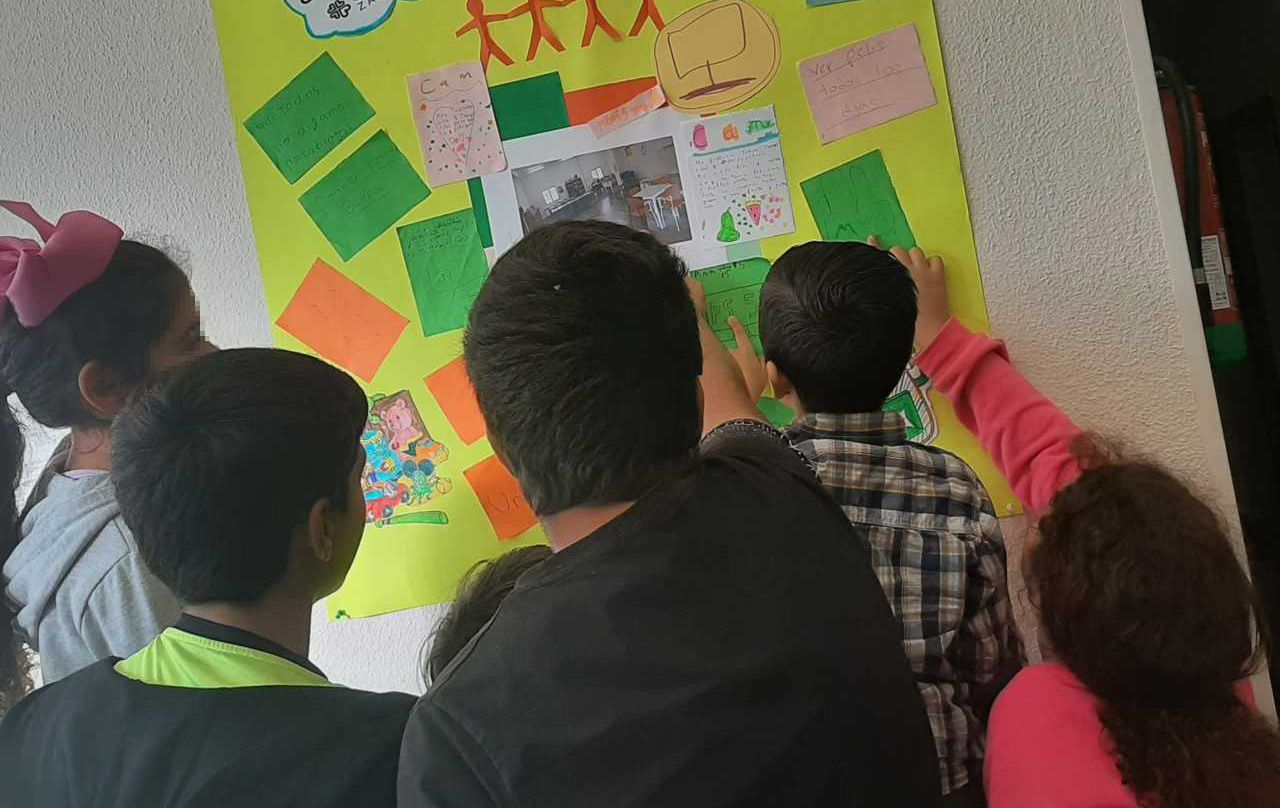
column 541, row 29
column 596, row 19
column 648, row 11
column 480, row 24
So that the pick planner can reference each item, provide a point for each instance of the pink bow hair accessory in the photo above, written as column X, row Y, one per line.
column 36, row 279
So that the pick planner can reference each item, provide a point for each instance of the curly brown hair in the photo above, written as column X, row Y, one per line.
column 1143, row 598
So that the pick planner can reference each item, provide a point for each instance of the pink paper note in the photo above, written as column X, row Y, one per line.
column 867, row 83
column 636, row 108
column 456, row 127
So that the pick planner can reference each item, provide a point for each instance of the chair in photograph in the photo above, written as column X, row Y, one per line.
column 638, row 211
column 673, row 200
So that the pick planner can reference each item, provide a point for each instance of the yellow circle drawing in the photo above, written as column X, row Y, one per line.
column 717, row 55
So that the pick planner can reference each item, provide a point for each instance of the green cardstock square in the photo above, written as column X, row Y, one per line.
column 734, row 289
column 480, row 208
column 303, row 122
column 446, row 267
column 530, row 106
column 364, row 196
column 857, row 200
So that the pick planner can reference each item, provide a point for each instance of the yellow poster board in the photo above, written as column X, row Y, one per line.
column 341, row 207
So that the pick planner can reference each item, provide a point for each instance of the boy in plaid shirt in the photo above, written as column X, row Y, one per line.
column 837, row 322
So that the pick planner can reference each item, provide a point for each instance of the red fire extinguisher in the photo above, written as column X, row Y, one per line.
column 1202, row 214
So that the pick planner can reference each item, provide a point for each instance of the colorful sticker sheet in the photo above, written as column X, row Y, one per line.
column 377, row 200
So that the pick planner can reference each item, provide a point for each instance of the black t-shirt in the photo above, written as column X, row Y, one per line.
column 722, row 643
column 100, row 739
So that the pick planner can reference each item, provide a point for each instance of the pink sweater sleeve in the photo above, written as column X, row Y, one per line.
column 1026, row 434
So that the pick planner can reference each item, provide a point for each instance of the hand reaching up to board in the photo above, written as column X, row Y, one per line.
column 930, row 276
column 749, row 362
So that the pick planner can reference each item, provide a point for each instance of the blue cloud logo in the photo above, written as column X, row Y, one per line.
column 326, row 18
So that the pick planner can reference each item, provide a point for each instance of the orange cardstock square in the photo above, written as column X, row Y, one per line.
column 501, row 498
column 335, row 317
column 452, row 391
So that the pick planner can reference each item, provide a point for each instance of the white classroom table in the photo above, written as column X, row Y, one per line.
column 650, row 194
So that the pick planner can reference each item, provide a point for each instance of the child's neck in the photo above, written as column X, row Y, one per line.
column 572, row 525
column 280, row 616
column 90, row 449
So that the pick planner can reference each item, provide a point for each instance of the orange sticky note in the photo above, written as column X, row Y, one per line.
column 335, row 317
column 452, row 390
column 592, row 102
column 501, row 498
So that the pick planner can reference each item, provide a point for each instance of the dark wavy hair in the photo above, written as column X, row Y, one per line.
column 583, row 350
column 1142, row 597
column 481, row 591
column 113, row 321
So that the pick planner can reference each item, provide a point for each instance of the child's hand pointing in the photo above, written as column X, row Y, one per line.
column 750, row 363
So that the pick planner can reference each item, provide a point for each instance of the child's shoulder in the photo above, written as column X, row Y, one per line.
column 947, row 464
column 938, row 481
column 946, row 460
column 956, row 476
column 1042, row 701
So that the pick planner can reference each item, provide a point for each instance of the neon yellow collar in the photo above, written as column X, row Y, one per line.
column 180, row 659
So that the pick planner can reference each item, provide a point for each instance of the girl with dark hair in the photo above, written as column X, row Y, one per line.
column 85, row 317
column 1147, row 615
column 480, row 592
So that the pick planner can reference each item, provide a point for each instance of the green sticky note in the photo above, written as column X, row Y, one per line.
column 743, row 250
column 779, row 414
column 446, row 267
column 529, row 106
column 308, row 118
column 857, row 200
column 364, row 196
column 480, row 208
column 734, row 289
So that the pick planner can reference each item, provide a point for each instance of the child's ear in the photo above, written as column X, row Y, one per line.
column 783, row 389
column 103, row 390
column 778, row 381
column 320, row 537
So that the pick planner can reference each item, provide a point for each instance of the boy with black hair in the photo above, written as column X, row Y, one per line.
column 239, row 476
column 708, row 631
column 837, row 322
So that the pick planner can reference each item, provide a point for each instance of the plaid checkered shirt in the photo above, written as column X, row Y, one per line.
column 939, row 554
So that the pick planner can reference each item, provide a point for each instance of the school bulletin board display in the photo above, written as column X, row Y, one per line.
column 392, row 150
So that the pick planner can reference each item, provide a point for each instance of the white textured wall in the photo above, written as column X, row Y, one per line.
column 1074, row 261
column 121, row 107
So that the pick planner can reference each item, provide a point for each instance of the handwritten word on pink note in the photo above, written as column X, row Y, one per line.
column 633, row 110
column 456, row 125
column 867, row 83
